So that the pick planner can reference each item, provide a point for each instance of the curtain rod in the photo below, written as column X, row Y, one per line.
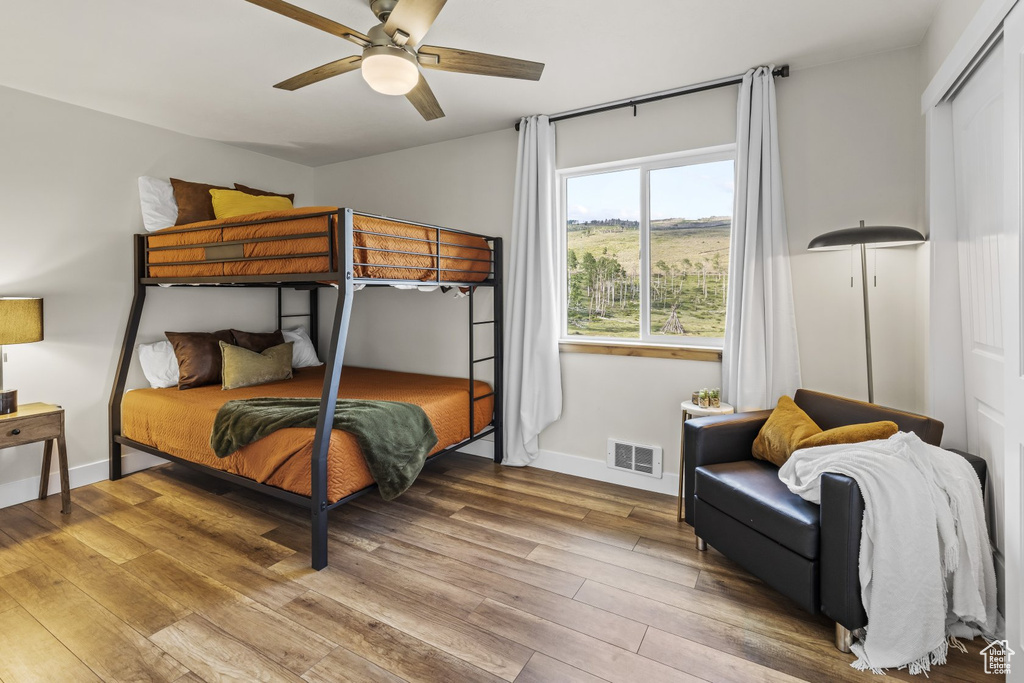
column 779, row 72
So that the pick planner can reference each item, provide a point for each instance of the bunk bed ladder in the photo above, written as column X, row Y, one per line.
column 124, row 360
column 329, row 399
column 313, row 315
column 496, row 356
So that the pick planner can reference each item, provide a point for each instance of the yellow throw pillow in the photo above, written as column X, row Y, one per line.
column 245, row 368
column 786, row 427
column 231, row 203
column 869, row 431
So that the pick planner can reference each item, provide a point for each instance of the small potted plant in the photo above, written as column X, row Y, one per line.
column 704, row 398
column 714, row 395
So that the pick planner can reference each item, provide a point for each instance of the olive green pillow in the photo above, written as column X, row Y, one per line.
column 786, row 427
column 245, row 368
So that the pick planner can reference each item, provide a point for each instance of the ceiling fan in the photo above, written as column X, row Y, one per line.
column 392, row 53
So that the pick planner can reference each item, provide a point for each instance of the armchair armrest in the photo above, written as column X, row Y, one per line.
column 713, row 440
column 842, row 515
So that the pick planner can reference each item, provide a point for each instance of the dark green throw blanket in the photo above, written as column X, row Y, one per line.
column 395, row 437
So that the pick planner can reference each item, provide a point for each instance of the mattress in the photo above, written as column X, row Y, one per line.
column 180, row 423
column 293, row 242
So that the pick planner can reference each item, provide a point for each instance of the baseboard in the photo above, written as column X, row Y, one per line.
column 24, row 490
column 588, row 468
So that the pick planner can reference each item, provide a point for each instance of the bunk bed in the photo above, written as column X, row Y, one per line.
column 309, row 249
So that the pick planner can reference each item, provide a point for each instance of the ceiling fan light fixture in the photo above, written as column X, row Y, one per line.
column 390, row 70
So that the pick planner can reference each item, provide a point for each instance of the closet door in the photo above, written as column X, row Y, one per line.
column 1013, row 487
column 978, row 132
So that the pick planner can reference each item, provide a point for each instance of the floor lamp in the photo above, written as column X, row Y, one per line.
column 864, row 236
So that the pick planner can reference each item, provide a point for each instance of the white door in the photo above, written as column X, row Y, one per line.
column 1013, row 454
column 978, row 132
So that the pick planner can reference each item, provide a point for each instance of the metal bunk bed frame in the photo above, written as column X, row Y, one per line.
column 342, row 271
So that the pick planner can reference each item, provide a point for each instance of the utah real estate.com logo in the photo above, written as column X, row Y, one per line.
column 997, row 657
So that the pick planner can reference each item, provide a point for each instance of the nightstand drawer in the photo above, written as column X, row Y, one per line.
column 29, row 429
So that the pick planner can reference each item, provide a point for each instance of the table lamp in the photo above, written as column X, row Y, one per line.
column 864, row 236
column 21, row 322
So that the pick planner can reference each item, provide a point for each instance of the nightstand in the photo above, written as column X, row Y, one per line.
column 40, row 422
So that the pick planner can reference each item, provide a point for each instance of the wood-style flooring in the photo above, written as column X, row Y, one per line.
column 478, row 573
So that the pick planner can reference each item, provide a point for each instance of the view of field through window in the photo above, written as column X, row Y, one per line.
column 690, row 220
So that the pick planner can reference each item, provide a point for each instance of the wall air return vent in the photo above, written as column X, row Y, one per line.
column 634, row 457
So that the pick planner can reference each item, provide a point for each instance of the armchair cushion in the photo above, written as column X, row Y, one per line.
column 751, row 493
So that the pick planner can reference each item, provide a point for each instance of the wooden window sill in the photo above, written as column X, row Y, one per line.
column 702, row 353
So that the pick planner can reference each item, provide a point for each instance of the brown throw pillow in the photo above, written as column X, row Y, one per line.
column 869, row 431
column 199, row 357
column 245, row 368
column 786, row 427
column 263, row 193
column 258, row 341
column 194, row 201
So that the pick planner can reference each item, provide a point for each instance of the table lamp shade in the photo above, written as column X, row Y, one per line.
column 21, row 320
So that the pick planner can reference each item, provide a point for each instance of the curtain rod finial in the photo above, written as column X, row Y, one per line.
column 782, row 71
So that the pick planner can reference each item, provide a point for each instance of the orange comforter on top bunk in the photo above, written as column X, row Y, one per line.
column 174, row 254
column 180, row 423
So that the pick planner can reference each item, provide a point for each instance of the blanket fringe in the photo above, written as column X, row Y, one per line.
column 861, row 665
column 923, row 665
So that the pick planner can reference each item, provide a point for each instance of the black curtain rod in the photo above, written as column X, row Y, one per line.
column 778, row 72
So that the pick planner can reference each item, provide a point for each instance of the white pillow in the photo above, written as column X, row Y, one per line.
column 303, row 353
column 159, row 209
column 159, row 364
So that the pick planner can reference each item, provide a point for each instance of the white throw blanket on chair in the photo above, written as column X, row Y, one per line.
column 926, row 569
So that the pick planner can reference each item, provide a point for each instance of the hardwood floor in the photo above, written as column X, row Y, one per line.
column 476, row 574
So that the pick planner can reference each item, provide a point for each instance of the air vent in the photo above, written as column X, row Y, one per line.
column 634, row 457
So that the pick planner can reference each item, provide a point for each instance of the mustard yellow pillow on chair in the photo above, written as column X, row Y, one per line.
column 786, row 427
column 868, row 431
column 231, row 203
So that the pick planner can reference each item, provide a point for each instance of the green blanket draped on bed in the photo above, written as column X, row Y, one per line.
column 395, row 437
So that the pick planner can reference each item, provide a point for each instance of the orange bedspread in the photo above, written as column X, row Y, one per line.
column 173, row 254
column 180, row 423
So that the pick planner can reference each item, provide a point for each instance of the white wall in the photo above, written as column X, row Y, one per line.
column 950, row 20
column 852, row 148
column 852, row 142
column 68, row 207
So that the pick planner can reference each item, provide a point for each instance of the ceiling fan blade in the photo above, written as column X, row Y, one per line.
column 466, row 62
column 315, row 20
column 321, row 73
column 413, row 17
column 422, row 97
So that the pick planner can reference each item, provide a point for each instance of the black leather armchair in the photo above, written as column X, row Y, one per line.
column 738, row 505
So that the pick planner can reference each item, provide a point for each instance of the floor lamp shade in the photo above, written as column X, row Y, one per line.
column 21, row 322
column 875, row 236
column 864, row 236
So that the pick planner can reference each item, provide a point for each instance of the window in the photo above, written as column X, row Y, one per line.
column 645, row 249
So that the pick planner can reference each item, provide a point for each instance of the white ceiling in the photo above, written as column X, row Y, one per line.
column 206, row 67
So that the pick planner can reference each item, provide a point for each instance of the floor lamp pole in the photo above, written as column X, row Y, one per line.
column 867, row 317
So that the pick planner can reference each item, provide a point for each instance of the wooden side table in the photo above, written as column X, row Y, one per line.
column 40, row 422
column 692, row 410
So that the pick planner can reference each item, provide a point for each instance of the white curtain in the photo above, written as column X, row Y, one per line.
column 533, row 383
column 760, row 360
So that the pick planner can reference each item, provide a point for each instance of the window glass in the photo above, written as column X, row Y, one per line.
column 690, row 222
column 646, row 248
column 603, row 254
